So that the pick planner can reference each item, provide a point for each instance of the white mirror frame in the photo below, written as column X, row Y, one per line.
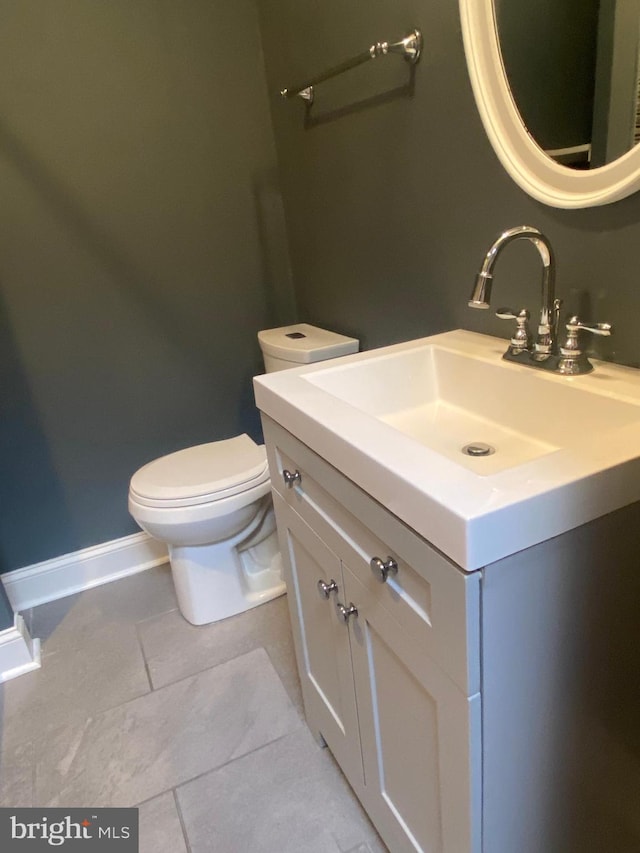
column 535, row 172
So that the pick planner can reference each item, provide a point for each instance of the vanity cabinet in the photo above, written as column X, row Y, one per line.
column 484, row 696
column 389, row 668
column 490, row 711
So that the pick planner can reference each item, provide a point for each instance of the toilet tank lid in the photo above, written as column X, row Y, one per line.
column 305, row 344
column 205, row 469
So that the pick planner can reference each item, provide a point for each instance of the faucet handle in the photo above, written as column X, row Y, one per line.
column 509, row 313
column 574, row 325
column 572, row 360
column 521, row 339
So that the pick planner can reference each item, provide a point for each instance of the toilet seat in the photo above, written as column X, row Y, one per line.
column 202, row 474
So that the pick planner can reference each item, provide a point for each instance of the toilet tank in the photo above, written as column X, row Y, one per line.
column 291, row 346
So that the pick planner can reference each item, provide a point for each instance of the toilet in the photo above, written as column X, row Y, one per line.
column 211, row 504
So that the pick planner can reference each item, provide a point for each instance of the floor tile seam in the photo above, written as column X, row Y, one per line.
column 150, row 799
column 220, row 663
column 97, row 713
column 174, row 794
column 231, row 761
column 215, row 666
column 264, row 646
column 215, row 768
column 161, row 611
column 15, row 742
column 144, row 658
column 157, row 686
column 157, row 615
column 78, row 645
column 183, row 824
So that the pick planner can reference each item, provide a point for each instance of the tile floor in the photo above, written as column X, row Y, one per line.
column 200, row 727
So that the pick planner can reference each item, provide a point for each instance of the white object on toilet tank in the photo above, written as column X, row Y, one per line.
column 301, row 343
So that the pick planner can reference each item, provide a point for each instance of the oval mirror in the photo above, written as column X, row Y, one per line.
column 557, row 88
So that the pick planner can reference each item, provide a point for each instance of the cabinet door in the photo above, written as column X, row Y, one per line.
column 321, row 640
column 420, row 736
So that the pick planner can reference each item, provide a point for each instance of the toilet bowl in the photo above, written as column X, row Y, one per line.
column 211, row 503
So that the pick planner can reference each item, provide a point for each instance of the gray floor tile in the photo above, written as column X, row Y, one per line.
column 70, row 623
column 138, row 750
column 174, row 648
column 160, row 827
column 16, row 776
column 109, row 741
column 73, row 684
column 288, row 797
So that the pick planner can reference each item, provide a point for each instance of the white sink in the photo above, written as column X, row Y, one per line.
column 395, row 420
column 446, row 400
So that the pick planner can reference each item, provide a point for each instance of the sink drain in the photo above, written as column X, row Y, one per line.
column 478, row 448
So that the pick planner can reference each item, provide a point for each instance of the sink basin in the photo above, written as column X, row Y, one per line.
column 449, row 400
column 562, row 450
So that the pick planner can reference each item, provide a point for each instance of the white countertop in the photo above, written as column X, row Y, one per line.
column 473, row 518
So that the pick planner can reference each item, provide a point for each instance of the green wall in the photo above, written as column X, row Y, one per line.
column 392, row 203
column 142, row 241
column 142, row 247
column 6, row 611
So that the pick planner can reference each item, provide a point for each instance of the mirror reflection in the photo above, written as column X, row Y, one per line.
column 573, row 70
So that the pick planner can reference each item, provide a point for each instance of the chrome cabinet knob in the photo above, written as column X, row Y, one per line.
column 346, row 612
column 383, row 568
column 325, row 589
column 291, row 479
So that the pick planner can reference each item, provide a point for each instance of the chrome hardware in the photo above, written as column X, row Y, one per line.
column 574, row 325
column 478, row 449
column 572, row 361
column 307, row 94
column 521, row 339
column 325, row 589
column 410, row 48
column 291, row 479
column 557, row 305
column 345, row 612
column 383, row 568
column 545, row 344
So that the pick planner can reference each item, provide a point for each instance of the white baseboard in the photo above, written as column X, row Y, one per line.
column 80, row 570
column 18, row 652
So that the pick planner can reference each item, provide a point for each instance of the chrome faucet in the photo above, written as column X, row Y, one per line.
column 545, row 342
column 568, row 358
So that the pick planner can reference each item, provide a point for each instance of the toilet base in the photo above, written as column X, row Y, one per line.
column 216, row 581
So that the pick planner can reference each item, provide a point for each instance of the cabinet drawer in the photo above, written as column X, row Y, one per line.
column 434, row 601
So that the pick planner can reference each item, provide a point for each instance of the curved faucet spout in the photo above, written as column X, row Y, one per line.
column 481, row 294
